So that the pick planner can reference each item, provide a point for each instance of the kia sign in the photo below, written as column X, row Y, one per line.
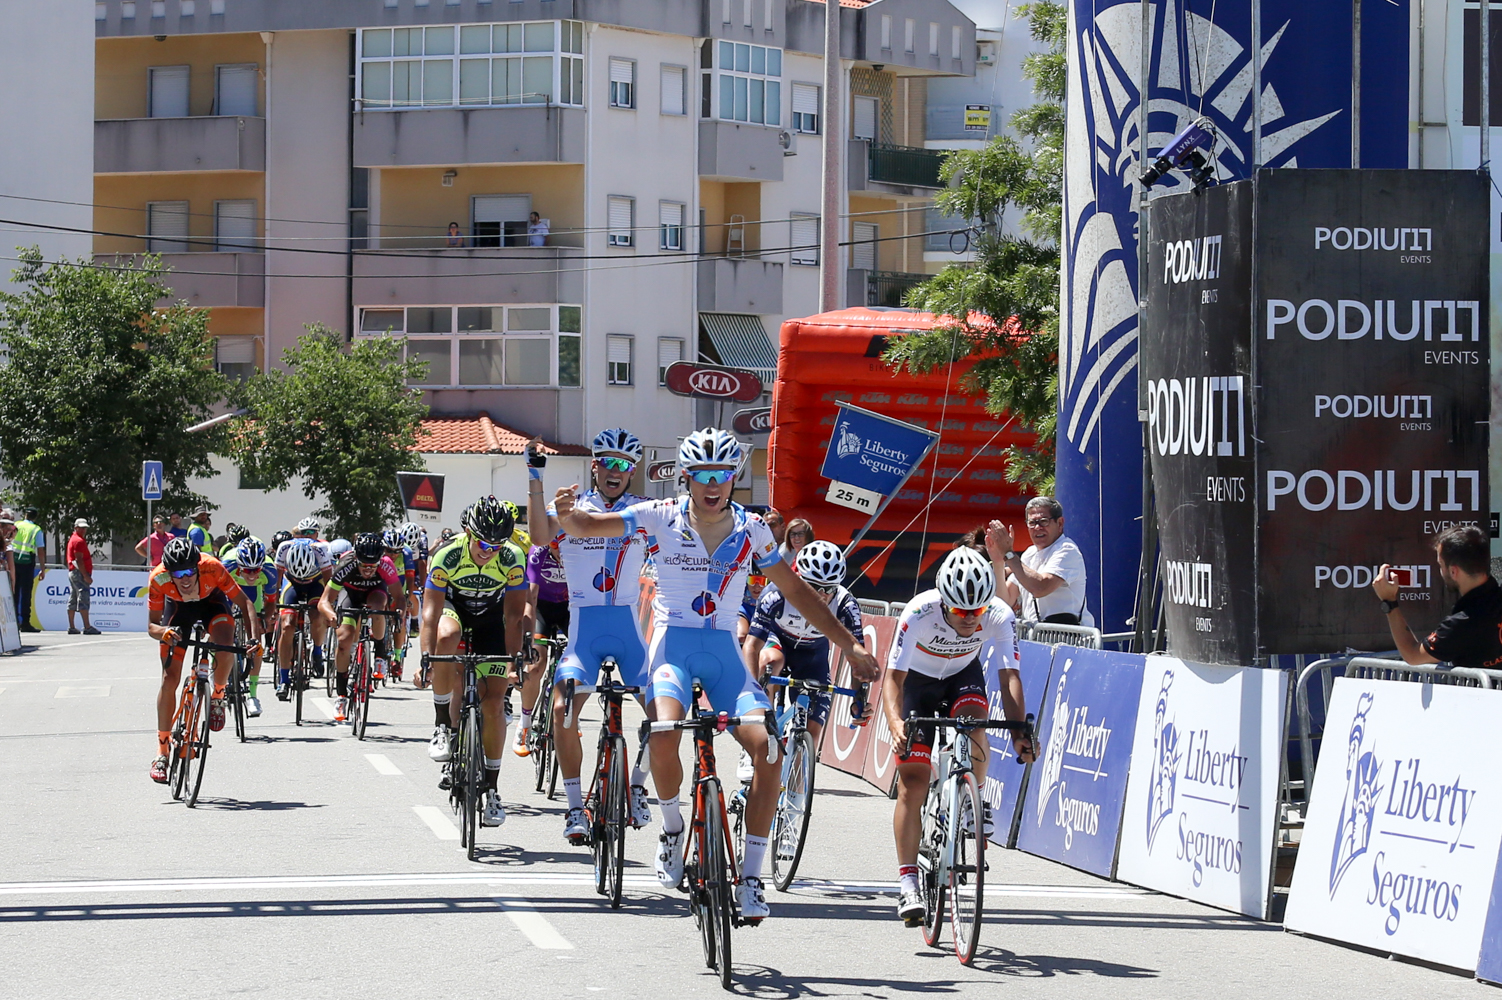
column 661, row 472
column 421, row 490
column 685, row 378
column 758, row 421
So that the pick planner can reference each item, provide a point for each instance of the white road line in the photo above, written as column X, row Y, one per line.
column 440, row 824
column 323, row 705
column 379, row 761
column 91, row 642
column 992, row 889
column 75, row 680
column 90, row 691
column 534, row 925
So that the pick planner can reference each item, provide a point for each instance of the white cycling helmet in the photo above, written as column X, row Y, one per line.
column 966, row 580
column 616, row 441
column 411, row 535
column 302, row 560
column 821, row 564
column 339, row 546
column 710, row 446
column 308, row 524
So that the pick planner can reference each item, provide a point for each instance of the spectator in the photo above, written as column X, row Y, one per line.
column 7, row 546
column 537, row 230
column 775, row 521
column 1470, row 636
column 30, row 548
column 455, row 236
column 151, row 547
column 199, row 534
column 80, row 577
column 975, row 538
column 799, row 533
column 1046, row 583
column 175, row 526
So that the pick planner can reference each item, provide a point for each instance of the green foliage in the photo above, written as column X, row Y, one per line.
column 1004, row 305
column 100, row 379
column 345, row 420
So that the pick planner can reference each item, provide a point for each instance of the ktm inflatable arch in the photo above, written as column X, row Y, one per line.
column 835, row 357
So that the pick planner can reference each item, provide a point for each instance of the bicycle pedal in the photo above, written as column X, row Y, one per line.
column 912, row 921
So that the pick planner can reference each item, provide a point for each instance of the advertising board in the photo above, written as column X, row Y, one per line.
column 117, row 600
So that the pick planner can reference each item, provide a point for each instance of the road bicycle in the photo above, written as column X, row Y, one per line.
column 540, row 730
column 952, row 851
column 795, row 799
column 189, row 745
column 711, row 870
column 302, row 654
column 362, row 668
column 605, row 806
column 237, row 689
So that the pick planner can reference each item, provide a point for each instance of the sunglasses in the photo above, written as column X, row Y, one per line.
column 824, row 591
column 966, row 612
column 183, row 574
column 712, row 477
column 488, row 546
column 616, row 464
column 369, row 565
column 756, row 580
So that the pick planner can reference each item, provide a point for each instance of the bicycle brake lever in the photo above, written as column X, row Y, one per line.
column 774, row 744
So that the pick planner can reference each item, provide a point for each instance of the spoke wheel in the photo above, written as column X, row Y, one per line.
column 615, row 821
column 793, row 810
column 473, row 777
column 967, row 875
column 237, row 688
column 359, row 692
column 717, row 881
column 177, row 764
column 199, row 746
column 931, row 880
column 552, row 777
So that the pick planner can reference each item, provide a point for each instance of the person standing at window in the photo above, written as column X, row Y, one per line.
column 538, row 229
column 455, row 236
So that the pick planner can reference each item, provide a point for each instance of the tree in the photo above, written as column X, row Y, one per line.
column 99, row 379
column 345, row 421
column 1004, row 307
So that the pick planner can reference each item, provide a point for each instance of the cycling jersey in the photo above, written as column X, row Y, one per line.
column 692, row 584
column 405, row 564
column 602, row 571
column 473, row 589
column 546, row 573
column 347, row 576
column 255, row 590
column 775, row 615
column 926, row 644
column 216, row 591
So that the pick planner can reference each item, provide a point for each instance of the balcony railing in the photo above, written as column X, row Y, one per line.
column 906, row 165
column 886, row 288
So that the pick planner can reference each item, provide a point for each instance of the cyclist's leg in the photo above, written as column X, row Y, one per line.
column 448, row 694
column 731, row 688
column 172, row 665
column 489, row 637
column 378, row 600
column 967, row 699
column 312, row 592
column 670, row 695
column 349, row 630
column 221, row 629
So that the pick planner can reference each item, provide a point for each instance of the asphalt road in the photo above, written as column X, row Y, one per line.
column 320, row 866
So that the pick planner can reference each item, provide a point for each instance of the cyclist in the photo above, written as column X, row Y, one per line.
column 255, row 574
column 947, row 640
column 368, row 578
column 705, row 543
column 188, row 587
column 308, row 527
column 405, row 565
column 416, row 542
column 548, row 597
column 234, row 534
column 756, row 583
column 602, row 588
column 477, row 583
column 305, row 566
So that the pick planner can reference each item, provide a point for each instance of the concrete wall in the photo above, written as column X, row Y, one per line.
column 133, row 145
column 416, row 208
column 122, row 200
column 122, row 87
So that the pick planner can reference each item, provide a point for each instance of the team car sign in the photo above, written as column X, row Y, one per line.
column 684, row 378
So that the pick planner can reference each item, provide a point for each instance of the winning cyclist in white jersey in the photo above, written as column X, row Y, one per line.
column 705, row 543
column 603, row 577
column 947, row 641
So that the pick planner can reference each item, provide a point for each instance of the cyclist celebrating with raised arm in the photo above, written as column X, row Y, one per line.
column 477, row 584
column 946, row 639
column 602, row 577
column 369, row 578
column 705, row 543
column 186, row 588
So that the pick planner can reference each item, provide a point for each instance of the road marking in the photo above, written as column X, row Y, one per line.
column 992, row 889
column 534, row 925
column 91, row 691
column 323, row 705
column 440, row 824
column 379, row 761
column 74, row 680
column 90, row 642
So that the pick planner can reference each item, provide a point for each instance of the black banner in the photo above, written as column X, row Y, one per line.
column 1197, row 392
column 421, row 490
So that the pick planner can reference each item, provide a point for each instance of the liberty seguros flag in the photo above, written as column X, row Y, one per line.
column 870, row 456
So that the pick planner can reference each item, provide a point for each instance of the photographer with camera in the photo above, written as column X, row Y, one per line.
column 1472, row 634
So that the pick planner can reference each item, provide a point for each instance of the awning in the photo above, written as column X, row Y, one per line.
column 741, row 341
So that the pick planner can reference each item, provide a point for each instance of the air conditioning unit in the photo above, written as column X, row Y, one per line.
column 985, row 54
column 788, row 140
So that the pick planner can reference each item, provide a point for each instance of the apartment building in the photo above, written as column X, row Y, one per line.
column 552, row 199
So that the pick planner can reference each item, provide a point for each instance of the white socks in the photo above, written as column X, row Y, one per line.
column 756, row 849
column 574, row 792
column 672, row 818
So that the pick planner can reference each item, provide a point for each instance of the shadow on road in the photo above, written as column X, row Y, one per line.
column 236, row 805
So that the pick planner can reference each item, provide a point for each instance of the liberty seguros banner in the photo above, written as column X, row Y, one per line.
column 870, row 456
column 1004, row 778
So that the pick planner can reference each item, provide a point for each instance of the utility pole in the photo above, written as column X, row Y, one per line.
column 829, row 222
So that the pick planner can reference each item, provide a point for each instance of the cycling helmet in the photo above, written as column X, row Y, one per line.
column 464, row 516
column 280, row 537
column 411, row 535
column 445, row 536
column 250, row 552
column 236, row 533
column 965, row 579
column 368, row 548
column 309, row 524
column 339, row 546
column 821, row 564
column 616, row 441
column 180, row 554
column 490, row 520
column 302, row 560
column 391, row 538
column 516, row 512
column 710, row 446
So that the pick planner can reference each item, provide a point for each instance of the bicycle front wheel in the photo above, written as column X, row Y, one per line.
column 615, row 821
column 359, row 691
column 932, row 880
column 967, row 873
column 793, row 810
column 177, row 767
column 473, row 776
column 199, row 746
column 717, row 882
column 297, row 676
column 237, row 690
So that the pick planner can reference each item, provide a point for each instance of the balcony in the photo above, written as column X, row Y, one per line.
column 456, row 136
column 465, row 276
column 170, row 145
column 736, row 152
column 740, row 285
column 899, row 169
column 206, row 280
column 879, row 288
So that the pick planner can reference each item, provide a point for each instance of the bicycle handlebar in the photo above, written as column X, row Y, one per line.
column 218, row 647
column 369, row 612
column 858, row 696
column 1025, row 727
column 712, row 722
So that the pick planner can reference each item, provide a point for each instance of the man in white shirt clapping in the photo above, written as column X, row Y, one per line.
column 1046, row 582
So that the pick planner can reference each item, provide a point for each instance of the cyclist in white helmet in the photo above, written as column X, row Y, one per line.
column 948, row 639
column 705, row 543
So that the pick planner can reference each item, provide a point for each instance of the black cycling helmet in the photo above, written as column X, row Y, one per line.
column 236, row 533
column 278, row 538
column 445, row 535
column 180, row 554
column 490, row 520
column 464, row 517
column 368, row 548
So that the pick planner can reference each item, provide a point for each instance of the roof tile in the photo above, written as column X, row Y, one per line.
column 479, row 435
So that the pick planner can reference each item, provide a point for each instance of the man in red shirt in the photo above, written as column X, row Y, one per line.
column 80, row 575
column 152, row 545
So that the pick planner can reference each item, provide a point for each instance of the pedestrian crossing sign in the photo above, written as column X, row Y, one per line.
column 151, row 480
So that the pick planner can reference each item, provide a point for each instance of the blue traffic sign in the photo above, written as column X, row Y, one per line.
column 151, row 480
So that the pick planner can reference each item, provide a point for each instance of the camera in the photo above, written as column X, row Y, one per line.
column 1186, row 152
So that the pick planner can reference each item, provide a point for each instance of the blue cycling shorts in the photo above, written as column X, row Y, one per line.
column 598, row 632
column 681, row 656
column 810, row 663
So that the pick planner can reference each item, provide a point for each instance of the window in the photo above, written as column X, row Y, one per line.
column 956, row 37
column 167, row 227
column 670, row 225
column 500, row 219
column 908, row 28
column 805, row 239
column 863, row 122
column 767, row 15
column 863, row 236
column 669, row 351
column 805, row 108
column 724, row 11
column 570, row 321
column 493, row 346
column 748, row 83
column 942, row 230
column 886, row 31
column 622, row 83
column 933, row 38
column 169, row 92
column 746, row 19
column 235, row 89
column 618, row 358
column 472, row 64
column 1471, row 67
column 235, row 225
column 235, row 357
column 619, row 216
column 674, row 100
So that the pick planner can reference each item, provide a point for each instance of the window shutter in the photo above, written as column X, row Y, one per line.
column 805, row 239
column 805, row 99
column 886, row 31
column 502, row 208
column 863, row 253
column 672, row 90
column 236, row 90
column 864, row 124
column 169, row 92
column 235, row 350
column 620, row 71
column 669, row 351
column 672, row 214
column 955, row 36
column 933, row 38
column 235, row 225
column 618, row 219
column 908, row 26
column 620, row 350
column 167, row 227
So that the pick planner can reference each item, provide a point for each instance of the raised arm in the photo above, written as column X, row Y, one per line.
column 817, row 611
column 582, row 523
column 541, row 525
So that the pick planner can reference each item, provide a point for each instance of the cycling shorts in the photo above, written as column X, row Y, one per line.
column 183, row 615
column 959, row 694
column 302, row 592
column 810, row 663
column 604, row 630
column 552, row 619
column 357, row 599
column 487, row 634
column 709, row 655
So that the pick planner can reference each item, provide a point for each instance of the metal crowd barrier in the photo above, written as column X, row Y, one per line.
column 874, row 607
column 1060, row 635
